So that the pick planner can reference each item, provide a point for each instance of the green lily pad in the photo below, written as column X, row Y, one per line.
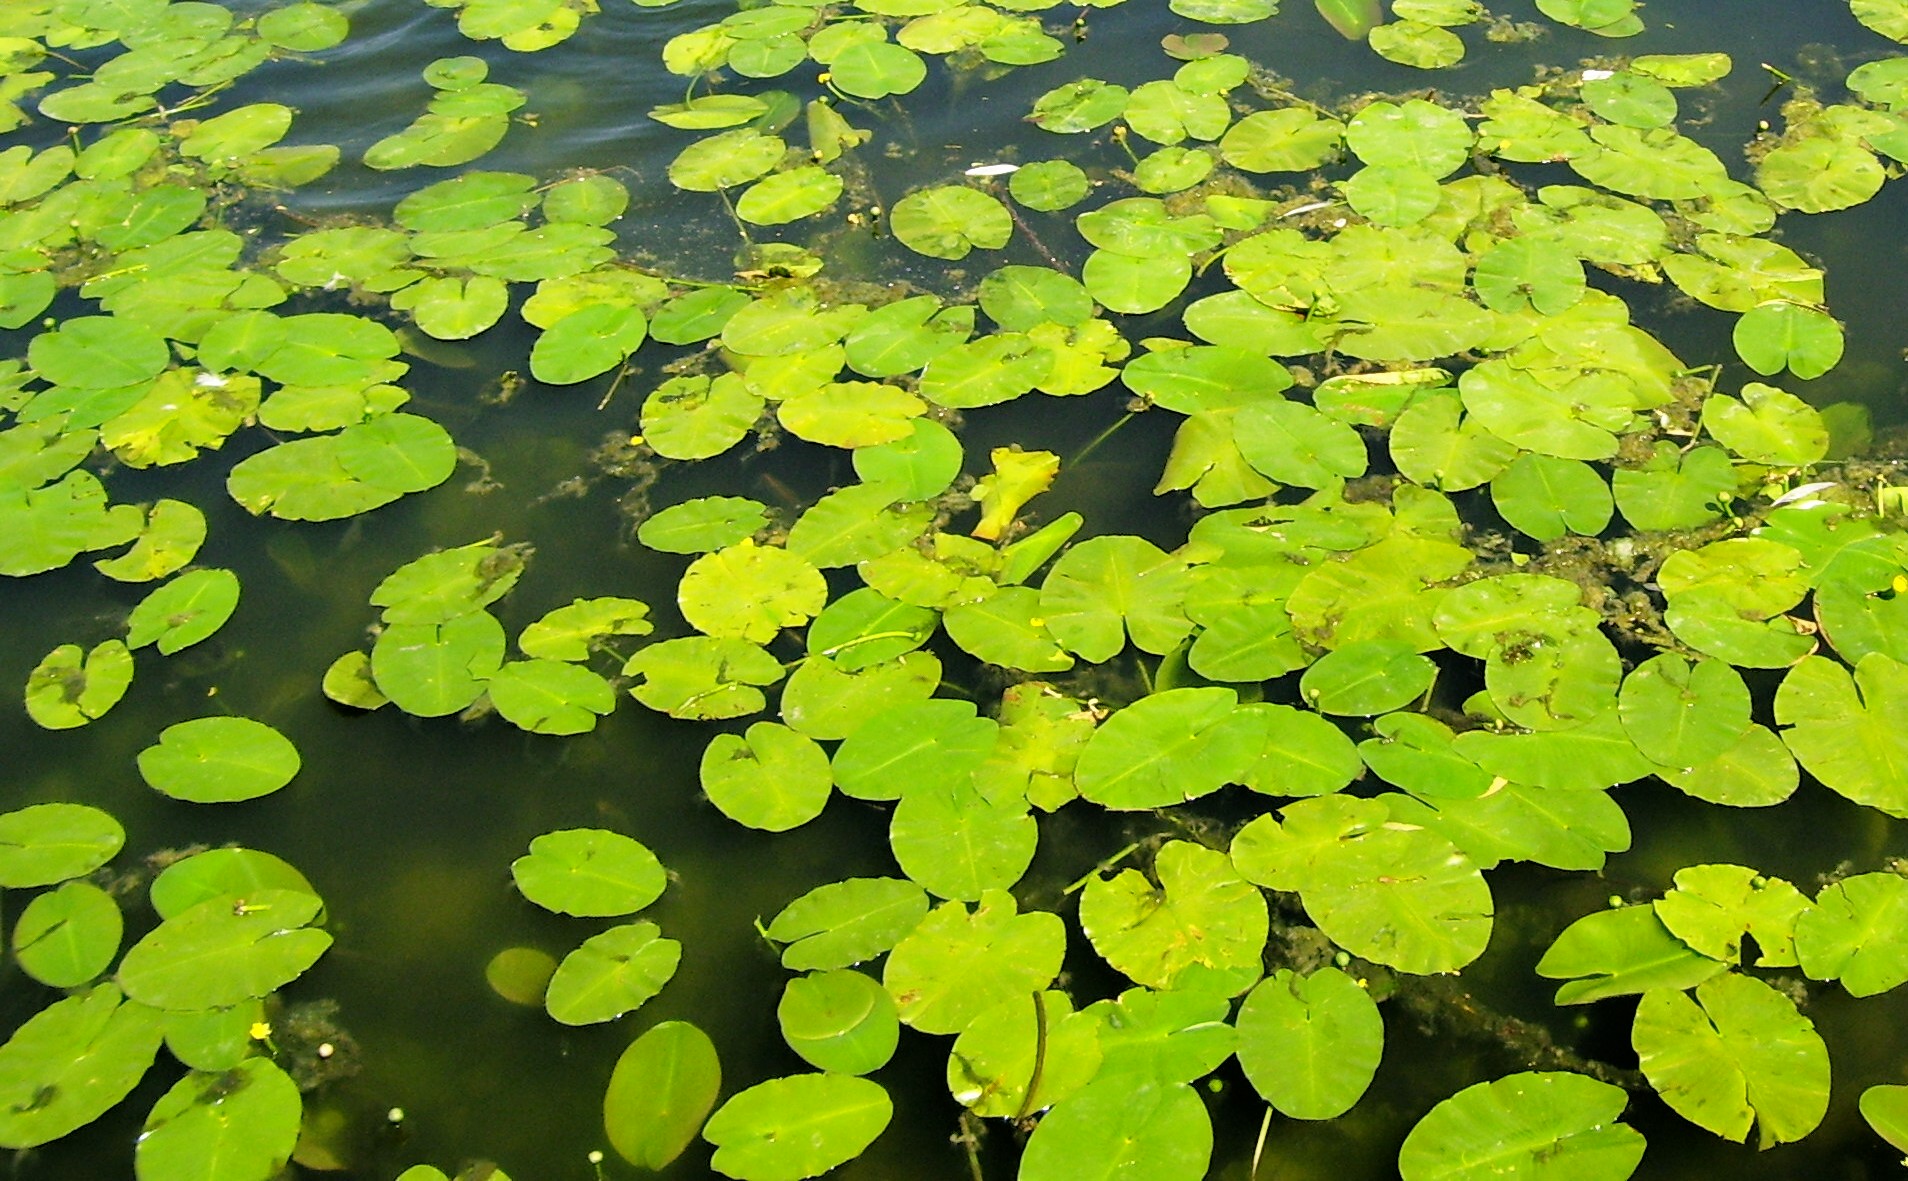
column 173, row 534
column 1680, row 715
column 1287, row 140
column 573, row 632
column 796, row 1127
column 229, row 873
column 750, row 592
column 1620, row 952
column 1885, row 1107
column 958, row 843
column 1201, row 912
column 68, row 935
column 823, row 700
column 1566, row 828
column 1841, row 728
column 1106, row 587
column 663, row 1086
column 725, row 160
column 847, row 922
column 98, row 352
column 550, row 696
column 184, row 611
column 69, row 688
column 41, row 844
column 1122, row 1126
column 587, row 343
column 1163, row 1037
column 1855, row 934
column 1780, row 335
column 219, row 760
column 71, row 1062
column 224, row 1125
column 773, row 778
column 1010, row 1051
column 1675, row 489
column 789, row 196
column 839, row 1020
column 611, row 974
column 1367, row 677
column 1767, row 426
column 217, row 954
column 1528, row 1125
column 1735, row 1056
column 1310, row 1044
column 956, row 964
column 447, row 584
column 1416, row 43
column 927, row 746
column 1399, row 896
column 435, row 669
column 1818, row 174
column 590, row 872
column 1167, row 748
column 1713, row 906
column 949, row 221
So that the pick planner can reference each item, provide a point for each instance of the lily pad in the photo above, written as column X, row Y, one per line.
column 589, row 871
column 243, row 1122
column 41, row 844
column 802, row 1126
column 69, row 688
column 611, row 973
column 840, row 1021
column 219, row 760
column 217, row 954
column 71, row 1062
column 1310, row 1044
column 844, row 923
column 1529, row 1125
column 68, row 935
column 184, row 611
column 1736, row 1055
column 1855, row 934
column 662, row 1087
column 1201, row 912
column 956, row 964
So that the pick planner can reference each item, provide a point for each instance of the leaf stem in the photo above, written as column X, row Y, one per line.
column 1040, row 1059
column 1258, row 1149
column 1102, row 867
column 1103, row 436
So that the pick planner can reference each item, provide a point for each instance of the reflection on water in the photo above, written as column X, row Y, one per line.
column 408, row 827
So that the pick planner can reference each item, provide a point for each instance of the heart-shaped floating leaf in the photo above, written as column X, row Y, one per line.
column 1529, row 1125
column 589, row 871
column 796, row 1127
column 1310, row 1044
column 1737, row 1054
column 611, row 973
column 662, row 1087
column 219, row 760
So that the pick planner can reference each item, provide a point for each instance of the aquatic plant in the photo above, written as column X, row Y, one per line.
column 1470, row 548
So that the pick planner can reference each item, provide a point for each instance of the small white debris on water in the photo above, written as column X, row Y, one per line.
column 210, row 381
column 991, row 169
column 1598, row 75
column 1312, row 208
column 395, row 1115
column 326, row 1049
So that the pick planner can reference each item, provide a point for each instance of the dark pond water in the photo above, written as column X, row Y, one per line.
column 408, row 827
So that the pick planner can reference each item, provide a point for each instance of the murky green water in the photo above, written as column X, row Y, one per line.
column 408, row 827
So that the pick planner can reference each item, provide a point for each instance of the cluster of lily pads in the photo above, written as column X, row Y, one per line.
column 1471, row 549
